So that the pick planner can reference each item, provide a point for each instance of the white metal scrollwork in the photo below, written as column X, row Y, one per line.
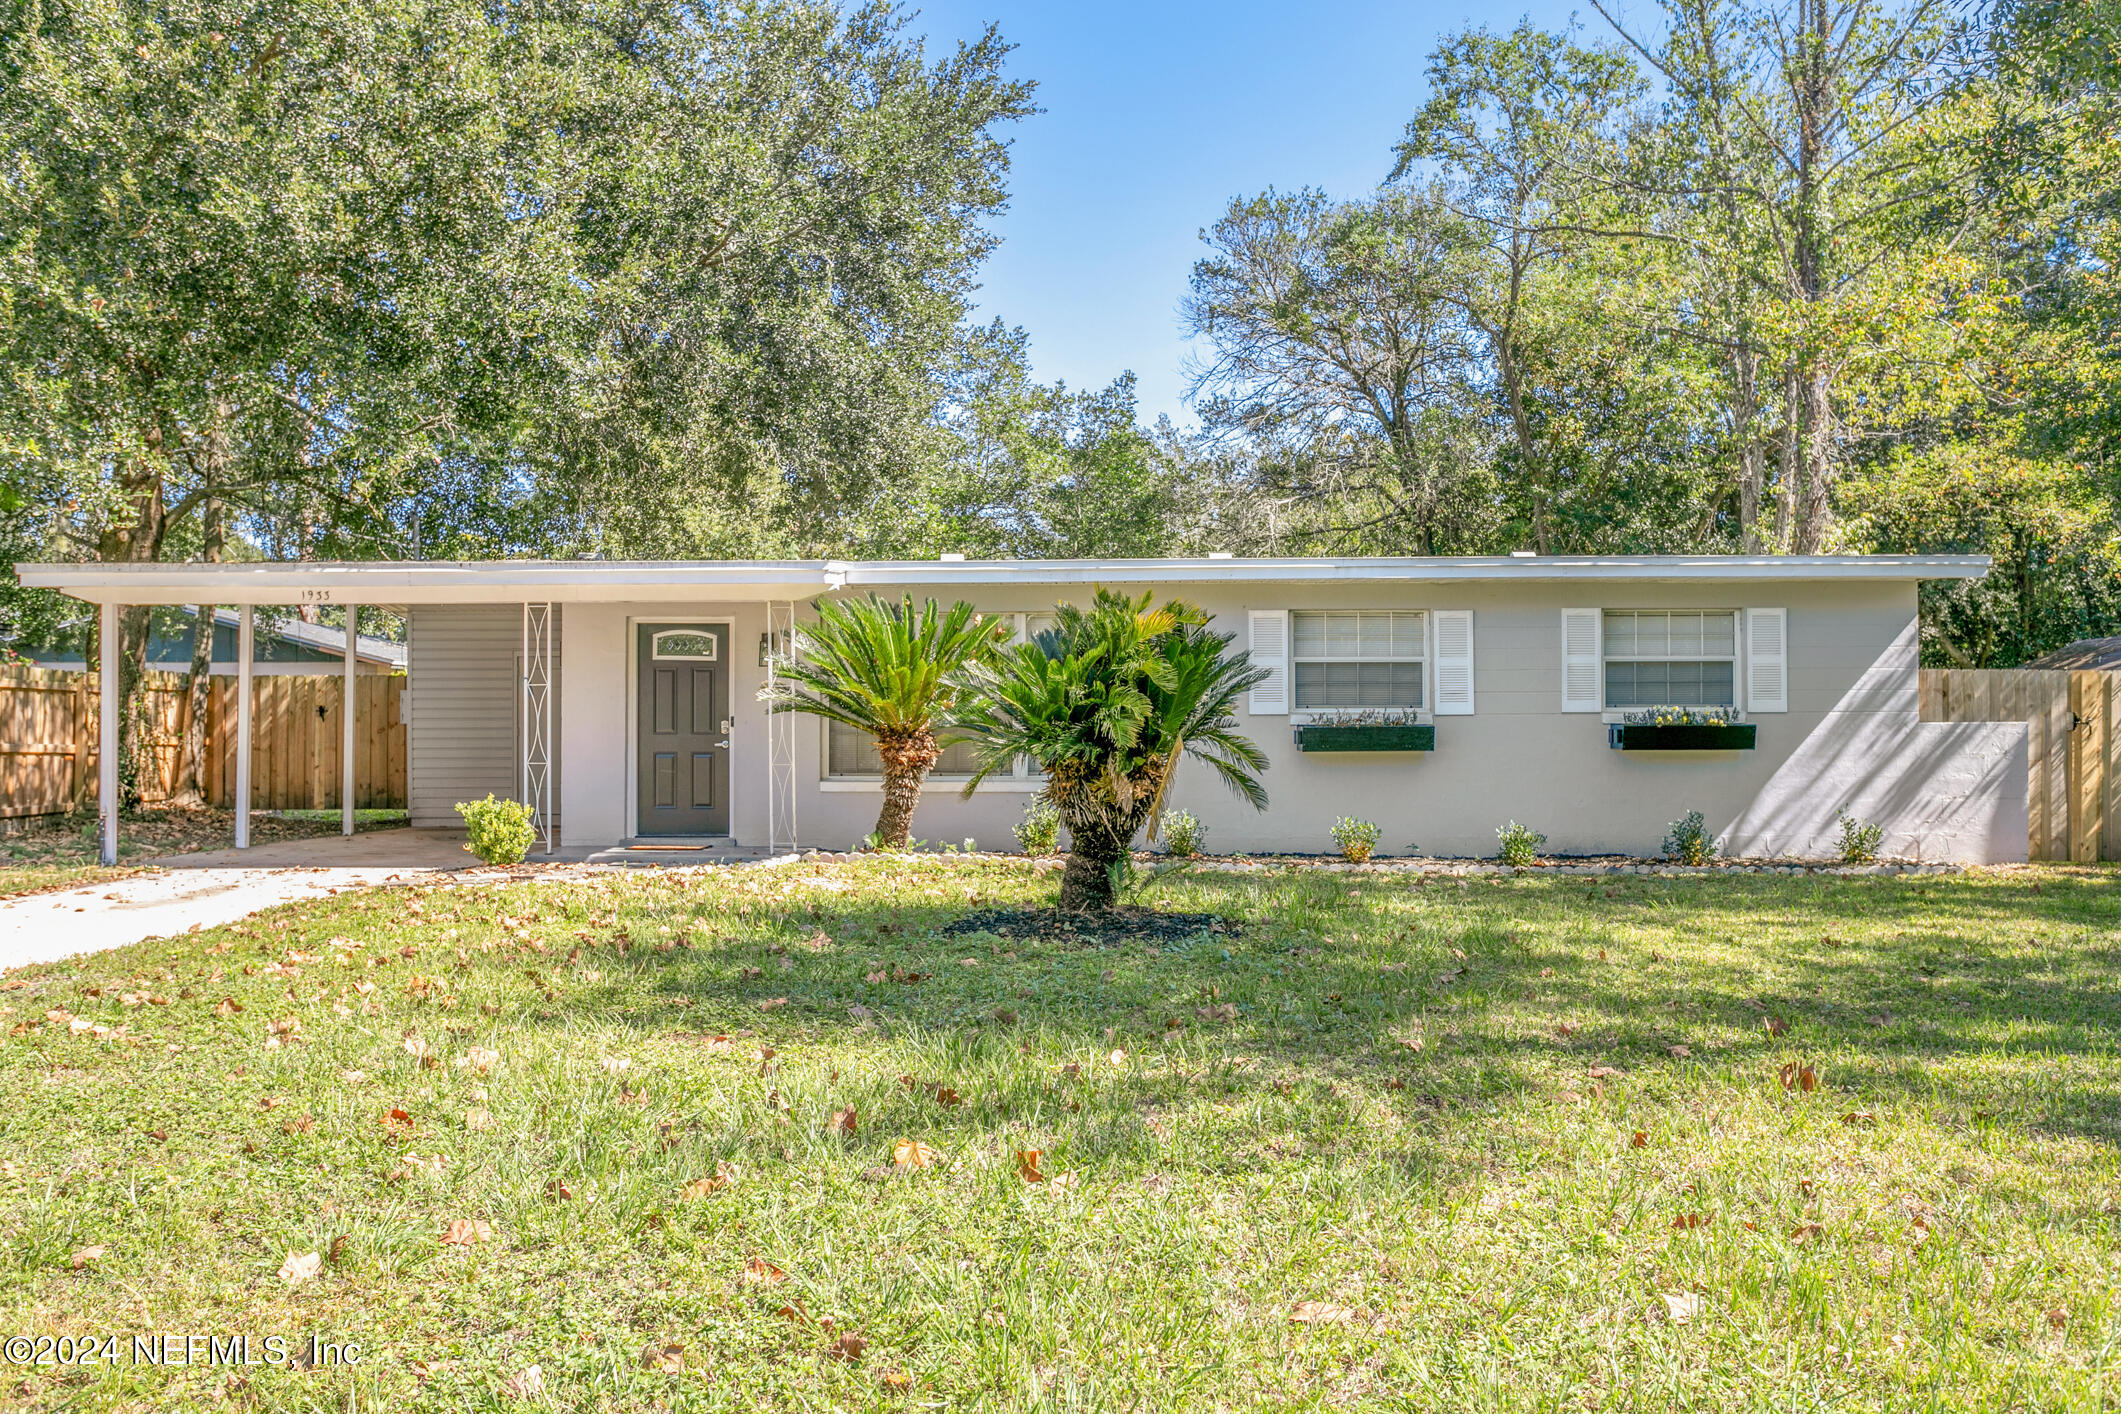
column 537, row 718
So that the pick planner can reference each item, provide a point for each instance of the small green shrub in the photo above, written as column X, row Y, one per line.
column 1356, row 838
column 1520, row 844
column 1689, row 841
column 1039, row 831
column 500, row 829
column 1859, row 839
column 1181, row 833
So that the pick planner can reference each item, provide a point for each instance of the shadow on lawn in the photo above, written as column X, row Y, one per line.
column 1885, row 1010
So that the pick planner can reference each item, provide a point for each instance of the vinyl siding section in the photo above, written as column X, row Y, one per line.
column 465, row 736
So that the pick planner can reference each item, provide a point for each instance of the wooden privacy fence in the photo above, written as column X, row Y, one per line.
column 49, row 755
column 2074, row 745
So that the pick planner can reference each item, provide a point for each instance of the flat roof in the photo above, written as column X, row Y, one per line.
column 403, row 582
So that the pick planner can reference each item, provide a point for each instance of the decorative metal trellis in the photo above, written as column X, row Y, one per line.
column 780, row 734
column 537, row 718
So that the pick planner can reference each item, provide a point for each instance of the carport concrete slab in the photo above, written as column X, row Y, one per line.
column 419, row 850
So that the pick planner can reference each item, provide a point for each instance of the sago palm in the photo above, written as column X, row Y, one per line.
column 893, row 671
column 1107, row 703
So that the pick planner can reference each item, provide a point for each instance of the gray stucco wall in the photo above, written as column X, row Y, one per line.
column 1849, row 739
column 464, row 737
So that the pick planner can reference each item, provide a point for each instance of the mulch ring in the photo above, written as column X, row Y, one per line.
column 1117, row 925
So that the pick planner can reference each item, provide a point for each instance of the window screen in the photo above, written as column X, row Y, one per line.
column 1671, row 658
column 1359, row 658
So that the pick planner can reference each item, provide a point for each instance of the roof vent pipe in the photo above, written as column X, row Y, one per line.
column 951, row 558
column 1220, row 555
column 1522, row 554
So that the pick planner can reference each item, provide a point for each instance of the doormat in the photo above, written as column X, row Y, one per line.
column 682, row 848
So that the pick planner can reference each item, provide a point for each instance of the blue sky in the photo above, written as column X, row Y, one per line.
column 1156, row 114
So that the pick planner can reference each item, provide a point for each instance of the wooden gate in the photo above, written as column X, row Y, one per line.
column 49, row 755
column 2074, row 744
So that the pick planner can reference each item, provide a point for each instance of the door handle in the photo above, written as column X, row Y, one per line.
column 723, row 743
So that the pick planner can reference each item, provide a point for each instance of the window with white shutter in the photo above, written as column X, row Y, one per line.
column 1581, row 687
column 1767, row 665
column 1454, row 662
column 1270, row 650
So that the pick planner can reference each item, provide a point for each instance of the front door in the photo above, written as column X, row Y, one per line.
column 683, row 729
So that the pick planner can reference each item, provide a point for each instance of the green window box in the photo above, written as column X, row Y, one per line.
column 1327, row 737
column 1638, row 736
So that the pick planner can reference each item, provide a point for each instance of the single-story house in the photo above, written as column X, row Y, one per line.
column 620, row 698
column 286, row 647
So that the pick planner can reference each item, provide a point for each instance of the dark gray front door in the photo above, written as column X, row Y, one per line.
column 683, row 758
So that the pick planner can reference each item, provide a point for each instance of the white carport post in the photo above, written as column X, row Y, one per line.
column 346, row 710
column 244, row 623
column 107, row 733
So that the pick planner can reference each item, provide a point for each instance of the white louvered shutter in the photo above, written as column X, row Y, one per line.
column 1581, row 688
column 1270, row 650
column 1767, row 660
column 1454, row 663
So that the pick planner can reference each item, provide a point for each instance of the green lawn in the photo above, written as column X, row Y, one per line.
column 1490, row 1137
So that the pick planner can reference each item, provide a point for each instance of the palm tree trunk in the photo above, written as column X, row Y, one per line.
column 907, row 760
column 1097, row 853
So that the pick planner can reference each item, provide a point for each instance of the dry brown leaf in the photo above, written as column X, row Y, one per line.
column 762, row 1272
column 86, row 1255
column 337, row 1249
column 794, row 1314
column 913, row 1154
column 2057, row 1317
column 1682, row 1307
column 1863, row 1119
column 897, row 1381
column 1601, row 1072
column 481, row 1059
column 1027, row 1165
column 526, row 1383
column 1806, row 1232
column 397, row 1124
column 1322, row 1313
column 300, row 1267
column 667, row 1359
column 1682, row 1052
column 773, row 1003
column 1776, row 1026
column 478, row 1119
column 465, row 1232
column 849, row 1347
column 844, row 1121
column 558, row 1190
column 1641, row 1140
column 1687, row 1222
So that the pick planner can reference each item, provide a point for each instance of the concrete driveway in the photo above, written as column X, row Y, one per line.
column 206, row 890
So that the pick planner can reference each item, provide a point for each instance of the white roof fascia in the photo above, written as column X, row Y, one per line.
column 404, row 582
column 584, row 581
column 1494, row 568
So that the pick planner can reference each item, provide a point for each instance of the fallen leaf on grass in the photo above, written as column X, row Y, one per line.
column 482, row 1060
column 1322, row 1313
column 1222, row 1011
column 1601, row 1072
column 1027, row 1165
column 86, row 1255
column 333, row 1253
column 2057, row 1317
column 897, row 1381
column 616, row 1064
column 1862, row 1119
column 558, row 1190
column 724, row 1175
column 849, row 1347
column 465, row 1232
column 773, row 1003
column 1776, row 1026
column 397, row 1123
column 526, row 1383
column 664, row 1359
column 1687, row 1222
column 762, row 1272
column 913, row 1154
column 1681, row 1052
column 1806, row 1232
column 1641, row 1140
column 844, row 1121
column 794, row 1314
column 478, row 1119
column 1798, row 1077
column 1681, row 1307
column 300, row 1267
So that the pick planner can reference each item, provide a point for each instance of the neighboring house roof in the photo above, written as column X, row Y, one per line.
column 2084, row 653
column 401, row 582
